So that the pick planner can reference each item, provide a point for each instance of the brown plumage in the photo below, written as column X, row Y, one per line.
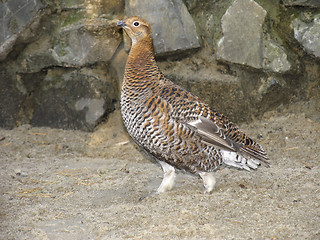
column 173, row 125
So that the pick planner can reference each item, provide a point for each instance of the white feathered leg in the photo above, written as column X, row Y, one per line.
column 209, row 180
column 168, row 178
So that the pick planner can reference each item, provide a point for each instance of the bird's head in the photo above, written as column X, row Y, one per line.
column 137, row 28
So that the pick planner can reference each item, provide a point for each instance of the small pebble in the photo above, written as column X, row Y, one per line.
column 19, row 172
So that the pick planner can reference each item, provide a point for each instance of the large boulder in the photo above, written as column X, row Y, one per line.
column 242, row 34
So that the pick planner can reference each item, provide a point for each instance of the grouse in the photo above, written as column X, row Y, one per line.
column 174, row 126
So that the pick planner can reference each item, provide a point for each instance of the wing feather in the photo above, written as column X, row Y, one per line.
column 211, row 134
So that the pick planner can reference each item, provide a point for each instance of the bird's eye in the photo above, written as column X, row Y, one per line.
column 136, row 23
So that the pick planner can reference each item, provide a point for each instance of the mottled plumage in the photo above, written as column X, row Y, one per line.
column 173, row 125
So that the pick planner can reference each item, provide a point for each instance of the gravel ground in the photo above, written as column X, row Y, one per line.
column 58, row 184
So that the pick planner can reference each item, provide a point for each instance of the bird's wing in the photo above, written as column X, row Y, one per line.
column 211, row 134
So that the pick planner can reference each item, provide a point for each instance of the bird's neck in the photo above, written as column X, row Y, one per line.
column 141, row 61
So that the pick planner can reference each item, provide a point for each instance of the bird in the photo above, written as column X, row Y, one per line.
column 174, row 126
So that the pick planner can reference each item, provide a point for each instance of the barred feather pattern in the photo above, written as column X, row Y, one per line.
column 160, row 116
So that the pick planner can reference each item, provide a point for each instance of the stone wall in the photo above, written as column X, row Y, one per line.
column 61, row 62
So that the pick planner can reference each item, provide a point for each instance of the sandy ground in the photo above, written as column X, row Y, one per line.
column 58, row 184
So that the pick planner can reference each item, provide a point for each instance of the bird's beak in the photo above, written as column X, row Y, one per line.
column 121, row 24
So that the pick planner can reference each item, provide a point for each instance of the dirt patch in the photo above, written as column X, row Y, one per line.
column 58, row 184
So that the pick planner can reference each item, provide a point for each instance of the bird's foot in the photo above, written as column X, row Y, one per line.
column 209, row 181
column 168, row 178
column 167, row 181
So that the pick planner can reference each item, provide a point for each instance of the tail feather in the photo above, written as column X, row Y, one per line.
column 256, row 153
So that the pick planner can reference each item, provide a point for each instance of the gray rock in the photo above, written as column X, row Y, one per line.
column 74, row 99
column 19, row 172
column 15, row 17
column 242, row 34
column 76, row 41
column 308, row 34
column 275, row 58
column 172, row 26
column 304, row 3
column 86, row 42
